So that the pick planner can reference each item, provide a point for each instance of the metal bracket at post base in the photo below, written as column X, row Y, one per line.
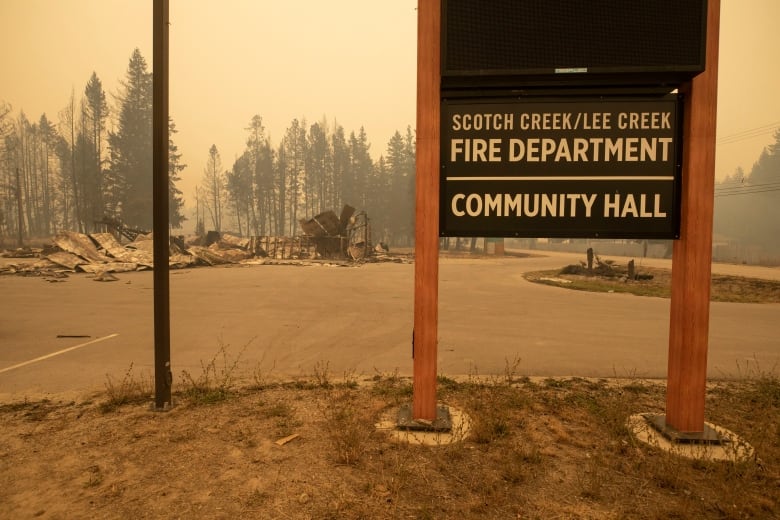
column 166, row 407
column 442, row 422
column 708, row 436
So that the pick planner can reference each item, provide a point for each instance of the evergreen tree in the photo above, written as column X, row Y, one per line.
column 131, row 147
column 254, row 145
column 129, row 183
column 239, row 188
column 295, row 146
column 747, row 207
column 318, row 165
column 280, row 179
column 175, row 166
column 761, row 213
column 341, row 165
column 401, row 173
column 360, row 168
column 6, row 174
column 265, row 194
column 48, row 136
column 262, row 182
column 379, row 201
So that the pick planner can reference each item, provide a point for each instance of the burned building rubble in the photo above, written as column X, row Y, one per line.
column 344, row 240
column 345, row 236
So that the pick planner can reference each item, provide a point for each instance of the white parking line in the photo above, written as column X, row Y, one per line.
column 47, row 356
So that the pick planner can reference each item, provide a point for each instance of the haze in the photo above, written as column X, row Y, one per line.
column 348, row 60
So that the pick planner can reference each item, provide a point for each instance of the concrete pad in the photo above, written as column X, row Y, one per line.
column 732, row 448
column 461, row 425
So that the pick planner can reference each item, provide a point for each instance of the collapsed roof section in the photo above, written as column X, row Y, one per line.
column 346, row 236
column 325, row 237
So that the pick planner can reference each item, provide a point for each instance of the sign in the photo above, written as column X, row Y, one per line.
column 573, row 167
column 512, row 43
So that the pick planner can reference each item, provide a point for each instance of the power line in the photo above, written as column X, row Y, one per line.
column 749, row 133
column 743, row 186
column 748, row 190
column 767, row 190
column 762, row 128
column 746, row 193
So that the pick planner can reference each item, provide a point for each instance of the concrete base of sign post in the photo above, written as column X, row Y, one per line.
column 454, row 428
column 708, row 436
column 442, row 422
column 715, row 444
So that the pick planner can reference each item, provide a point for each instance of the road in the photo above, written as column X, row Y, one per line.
column 288, row 319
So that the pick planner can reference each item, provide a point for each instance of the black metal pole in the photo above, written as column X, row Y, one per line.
column 20, row 213
column 162, row 330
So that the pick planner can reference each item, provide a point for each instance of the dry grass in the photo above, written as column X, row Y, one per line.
column 217, row 378
column 129, row 390
column 554, row 448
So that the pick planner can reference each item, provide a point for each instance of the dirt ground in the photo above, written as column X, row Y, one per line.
column 308, row 449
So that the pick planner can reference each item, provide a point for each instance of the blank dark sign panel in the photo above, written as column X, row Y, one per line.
column 574, row 42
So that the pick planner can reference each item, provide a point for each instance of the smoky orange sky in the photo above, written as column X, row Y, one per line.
column 350, row 61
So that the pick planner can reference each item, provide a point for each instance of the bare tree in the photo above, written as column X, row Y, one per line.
column 214, row 187
column 96, row 113
column 68, row 123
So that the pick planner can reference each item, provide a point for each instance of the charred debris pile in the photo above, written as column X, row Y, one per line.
column 605, row 269
column 326, row 238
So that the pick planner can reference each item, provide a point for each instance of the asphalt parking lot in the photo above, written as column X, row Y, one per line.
column 287, row 319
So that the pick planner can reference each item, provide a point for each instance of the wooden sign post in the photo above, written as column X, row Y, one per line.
column 426, row 259
column 692, row 253
column 470, row 60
